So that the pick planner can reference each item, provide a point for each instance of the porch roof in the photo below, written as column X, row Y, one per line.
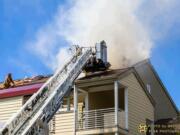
column 111, row 75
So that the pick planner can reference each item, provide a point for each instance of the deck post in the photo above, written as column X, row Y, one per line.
column 116, row 104
column 75, row 108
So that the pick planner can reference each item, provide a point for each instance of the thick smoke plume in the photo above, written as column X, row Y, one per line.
column 124, row 26
column 113, row 21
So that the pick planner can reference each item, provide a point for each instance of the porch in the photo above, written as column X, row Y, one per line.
column 94, row 111
column 105, row 109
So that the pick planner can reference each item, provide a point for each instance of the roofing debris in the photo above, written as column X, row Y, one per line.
column 28, row 81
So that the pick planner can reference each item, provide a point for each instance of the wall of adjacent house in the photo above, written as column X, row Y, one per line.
column 164, row 108
column 8, row 107
column 64, row 123
column 139, row 105
column 61, row 123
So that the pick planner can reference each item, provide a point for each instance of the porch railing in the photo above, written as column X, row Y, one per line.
column 101, row 118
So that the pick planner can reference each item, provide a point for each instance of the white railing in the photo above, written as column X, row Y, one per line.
column 101, row 118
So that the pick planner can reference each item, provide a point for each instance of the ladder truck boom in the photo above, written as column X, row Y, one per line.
column 41, row 107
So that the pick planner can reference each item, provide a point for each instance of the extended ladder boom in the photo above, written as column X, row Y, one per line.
column 41, row 107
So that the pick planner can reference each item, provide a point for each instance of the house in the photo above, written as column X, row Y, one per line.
column 108, row 102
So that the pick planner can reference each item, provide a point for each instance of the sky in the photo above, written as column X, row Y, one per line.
column 26, row 25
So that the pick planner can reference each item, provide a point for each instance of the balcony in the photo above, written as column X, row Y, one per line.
column 101, row 118
column 95, row 110
column 100, row 121
column 95, row 120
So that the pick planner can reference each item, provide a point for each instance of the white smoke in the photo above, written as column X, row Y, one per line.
column 124, row 25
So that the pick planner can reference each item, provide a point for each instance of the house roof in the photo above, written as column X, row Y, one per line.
column 28, row 81
column 26, row 86
column 102, row 74
column 20, row 91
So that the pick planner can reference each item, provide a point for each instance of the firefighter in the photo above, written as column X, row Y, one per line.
column 9, row 81
column 78, row 50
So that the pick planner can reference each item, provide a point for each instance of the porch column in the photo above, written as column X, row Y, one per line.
column 87, row 102
column 126, row 107
column 116, row 103
column 86, row 109
column 75, row 108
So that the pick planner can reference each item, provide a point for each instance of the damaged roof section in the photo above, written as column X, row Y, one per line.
column 23, row 87
column 28, row 81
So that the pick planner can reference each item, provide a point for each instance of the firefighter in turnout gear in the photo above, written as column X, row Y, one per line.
column 9, row 81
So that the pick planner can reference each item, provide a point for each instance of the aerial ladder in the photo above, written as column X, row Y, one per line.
column 43, row 105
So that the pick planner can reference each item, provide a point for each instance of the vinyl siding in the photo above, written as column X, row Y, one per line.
column 164, row 108
column 64, row 123
column 139, row 106
column 8, row 107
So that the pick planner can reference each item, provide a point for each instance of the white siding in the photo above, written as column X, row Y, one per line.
column 140, row 107
column 64, row 123
column 8, row 107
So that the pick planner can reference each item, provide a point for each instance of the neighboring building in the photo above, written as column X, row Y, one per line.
column 13, row 98
column 101, row 103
